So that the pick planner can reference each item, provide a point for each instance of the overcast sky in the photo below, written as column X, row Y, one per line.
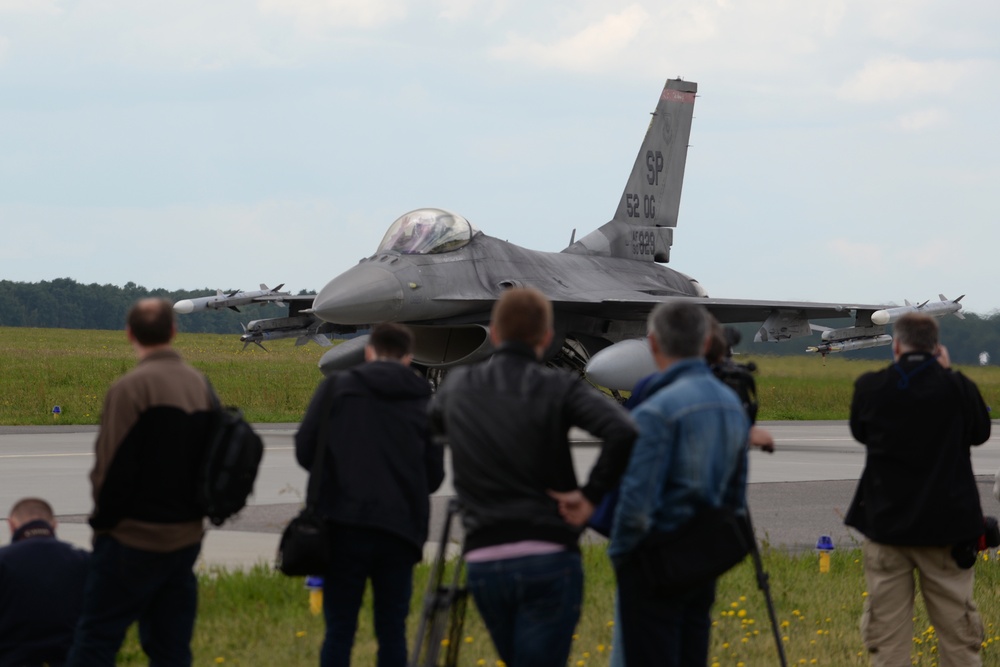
column 844, row 150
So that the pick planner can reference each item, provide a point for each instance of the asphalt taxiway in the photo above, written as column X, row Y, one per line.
column 796, row 494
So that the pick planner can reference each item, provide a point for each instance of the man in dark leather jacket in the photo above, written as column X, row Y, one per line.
column 507, row 422
column 917, row 502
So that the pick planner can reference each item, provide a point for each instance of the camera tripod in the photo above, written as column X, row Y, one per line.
column 764, row 586
column 443, row 614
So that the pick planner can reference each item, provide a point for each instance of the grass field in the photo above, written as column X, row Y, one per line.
column 43, row 368
column 261, row 618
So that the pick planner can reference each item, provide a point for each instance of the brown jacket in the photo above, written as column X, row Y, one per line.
column 147, row 455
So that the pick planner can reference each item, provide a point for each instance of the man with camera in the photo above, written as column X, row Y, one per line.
column 738, row 377
column 917, row 502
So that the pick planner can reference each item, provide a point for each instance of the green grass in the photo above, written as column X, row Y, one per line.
column 262, row 618
column 43, row 368
column 73, row 369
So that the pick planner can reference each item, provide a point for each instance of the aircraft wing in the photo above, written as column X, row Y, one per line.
column 778, row 320
column 742, row 310
column 620, row 365
column 636, row 305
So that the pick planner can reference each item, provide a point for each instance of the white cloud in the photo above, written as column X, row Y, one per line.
column 483, row 10
column 872, row 257
column 590, row 48
column 853, row 253
column 891, row 78
column 932, row 254
column 29, row 7
column 896, row 20
column 314, row 15
column 922, row 119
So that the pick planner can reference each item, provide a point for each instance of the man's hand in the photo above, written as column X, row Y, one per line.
column 942, row 356
column 762, row 439
column 574, row 507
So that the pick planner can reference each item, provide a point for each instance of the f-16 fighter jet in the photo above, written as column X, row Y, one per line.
column 439, row 274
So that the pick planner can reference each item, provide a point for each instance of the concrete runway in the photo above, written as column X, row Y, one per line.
column 796, row 494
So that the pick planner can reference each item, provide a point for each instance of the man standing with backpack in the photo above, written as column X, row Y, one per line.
column 380, row 467
column 147, row 520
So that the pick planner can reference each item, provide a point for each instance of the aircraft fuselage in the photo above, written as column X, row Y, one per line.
column 460, row 286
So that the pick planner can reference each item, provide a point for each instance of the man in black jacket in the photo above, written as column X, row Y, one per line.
column 917, row 502
column 41, row 588
column 507, row 421
column 380, row 467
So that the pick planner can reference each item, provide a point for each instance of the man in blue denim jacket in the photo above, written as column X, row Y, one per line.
column 690, row 454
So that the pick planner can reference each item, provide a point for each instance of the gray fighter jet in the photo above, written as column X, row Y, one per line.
column 440, row 275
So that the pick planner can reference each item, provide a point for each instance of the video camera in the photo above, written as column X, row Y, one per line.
column 738, row 377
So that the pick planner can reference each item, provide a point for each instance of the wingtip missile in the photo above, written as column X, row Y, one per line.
column 933, row 308
column 231, row 300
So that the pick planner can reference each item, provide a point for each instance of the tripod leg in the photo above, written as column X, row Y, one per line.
column 458, row 598
column 765, row 587
column 444, row 607
column 423, row 644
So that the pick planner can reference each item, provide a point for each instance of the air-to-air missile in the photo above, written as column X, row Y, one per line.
column 843, row 340
column 934, row 308
column 232, row 299
column 302, row 327
column 851, row 344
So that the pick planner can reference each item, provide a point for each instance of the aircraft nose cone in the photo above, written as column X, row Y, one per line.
column 362, row 295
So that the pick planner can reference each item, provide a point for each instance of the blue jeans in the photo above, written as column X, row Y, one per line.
column 124, row 585
column 663, row 631
column 530, row 605
column 359, row 554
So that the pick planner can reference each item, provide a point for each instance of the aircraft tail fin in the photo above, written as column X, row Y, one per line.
column 642, row 227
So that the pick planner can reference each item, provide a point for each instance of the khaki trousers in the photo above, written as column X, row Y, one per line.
column 887, row 621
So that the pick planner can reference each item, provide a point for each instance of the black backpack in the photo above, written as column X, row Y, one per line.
column 232, row 456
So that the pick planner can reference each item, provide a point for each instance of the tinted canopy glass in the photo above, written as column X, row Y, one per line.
column 427, row 231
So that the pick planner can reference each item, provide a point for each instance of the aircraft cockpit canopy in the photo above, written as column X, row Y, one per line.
column 427, row 231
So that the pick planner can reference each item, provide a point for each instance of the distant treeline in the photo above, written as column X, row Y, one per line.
column 66, row 304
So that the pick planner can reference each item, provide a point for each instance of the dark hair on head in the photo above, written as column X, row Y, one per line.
column 917, row 332
column 680, row 328
column 522, row 315
column 391, row 340
column 31, row 509
column 151, row 321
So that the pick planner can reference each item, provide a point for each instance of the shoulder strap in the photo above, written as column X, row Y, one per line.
column 904, row 377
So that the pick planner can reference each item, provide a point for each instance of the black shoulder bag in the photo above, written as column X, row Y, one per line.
column 304, row 549
column 713, row 541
